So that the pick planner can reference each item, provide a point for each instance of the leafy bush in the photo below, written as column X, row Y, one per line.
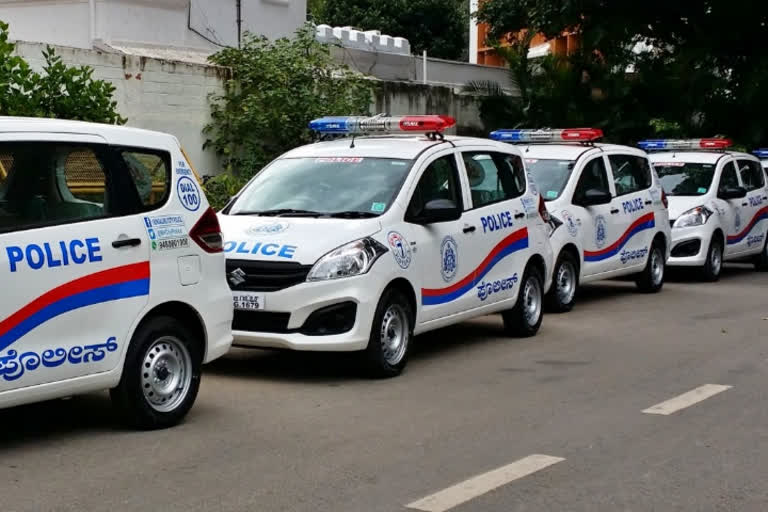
column 275, row 89
column 61, row 91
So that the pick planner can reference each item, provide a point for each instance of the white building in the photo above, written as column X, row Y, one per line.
column 201, row 25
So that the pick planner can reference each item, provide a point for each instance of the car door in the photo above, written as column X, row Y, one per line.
column 731, row 211
column 444, row 251
column 632, row 209
column 74, row 268
column 754, row 205
column 597, row 225
column 495, row 224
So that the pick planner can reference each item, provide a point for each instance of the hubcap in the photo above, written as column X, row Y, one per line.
column 657, row 267
column 166, row 374
column 532, row 301
column 566, row 282
column 394, row 334
column 716, row 259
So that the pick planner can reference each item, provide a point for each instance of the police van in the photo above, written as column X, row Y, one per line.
column 357, row 244
column 718, row 203
column 608, row 206
column 112, row 269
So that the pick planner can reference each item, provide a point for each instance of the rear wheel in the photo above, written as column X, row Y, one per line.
column 710, row 272
column 524, row 319
column 761, row 260
column 651, row 279
column 391, row 334
column 161, row 374
column 562, row 296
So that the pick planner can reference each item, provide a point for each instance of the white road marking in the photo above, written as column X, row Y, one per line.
column 481, row 484
column 687, row 399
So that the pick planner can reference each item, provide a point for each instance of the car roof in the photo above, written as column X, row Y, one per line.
column 697, row 157
column 571, row 151
column 405, row 147
column 111, row 133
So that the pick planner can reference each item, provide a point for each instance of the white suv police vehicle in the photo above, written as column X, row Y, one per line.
column 607, row 203
column 717, row 200
column 358, row 244
column 111, row 267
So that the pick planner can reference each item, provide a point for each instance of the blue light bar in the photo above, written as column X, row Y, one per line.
column 684, row 144
column 333, row 124
column 649, row 145
column 761, row 153
column 507, row 135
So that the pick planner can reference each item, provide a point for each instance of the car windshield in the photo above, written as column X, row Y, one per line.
column 344, row 186
column 684, row 178
column 550, row 176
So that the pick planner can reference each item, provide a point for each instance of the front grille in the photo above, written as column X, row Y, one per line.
column 686, row 249
column 260, row 321
column 266, row 276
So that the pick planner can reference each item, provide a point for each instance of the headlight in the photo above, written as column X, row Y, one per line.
column 349, row 260
column 693, row 217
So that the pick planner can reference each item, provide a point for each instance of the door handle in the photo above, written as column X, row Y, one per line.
column 648, row 201
column 469, row 229
column 765, row 197
column 614, row 211
column 126, row 242
column 743, row 204
column 519, row 215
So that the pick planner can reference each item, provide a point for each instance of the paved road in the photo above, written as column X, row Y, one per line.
column 285, row 432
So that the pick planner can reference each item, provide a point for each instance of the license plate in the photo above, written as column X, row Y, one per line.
column 249, row 301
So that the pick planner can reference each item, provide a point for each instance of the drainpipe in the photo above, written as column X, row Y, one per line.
column 92, row 10
column 239, row 20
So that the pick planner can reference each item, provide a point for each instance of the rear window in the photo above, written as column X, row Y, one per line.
column 685, row 179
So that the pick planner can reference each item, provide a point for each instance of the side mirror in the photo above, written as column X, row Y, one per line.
column 593, row 197
column 438, row 210
column 732, row 193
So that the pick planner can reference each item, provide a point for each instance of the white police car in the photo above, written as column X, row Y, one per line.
column 111, row 267
column 608, row 205
column 717, row 200
column 356, row 244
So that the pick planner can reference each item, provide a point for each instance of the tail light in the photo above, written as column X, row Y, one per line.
column 543, row 212
column 207, row 232
column 664, row 199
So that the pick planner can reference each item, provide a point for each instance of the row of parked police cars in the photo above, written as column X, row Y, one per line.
column 116, row 274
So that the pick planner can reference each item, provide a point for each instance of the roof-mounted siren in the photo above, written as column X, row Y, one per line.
column 717, row 144
column 557, row 135
column 378, row 125
column 761, row 153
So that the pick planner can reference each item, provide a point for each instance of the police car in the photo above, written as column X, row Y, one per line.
column 111, row 267
column 762, row 154
column 608, row 205
column 359, row 243
column 717, row 200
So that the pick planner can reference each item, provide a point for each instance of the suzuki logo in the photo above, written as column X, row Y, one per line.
column 237, row 277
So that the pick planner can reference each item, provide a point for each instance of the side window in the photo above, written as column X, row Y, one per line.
column 494, row 177
column 728, row 177
column 51, row 183
column 439, row 181
column 594, row 176
column 630, row 173
column 751, row 174
column 150, row 174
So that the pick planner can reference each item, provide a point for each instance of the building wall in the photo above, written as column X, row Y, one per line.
column 64, row 22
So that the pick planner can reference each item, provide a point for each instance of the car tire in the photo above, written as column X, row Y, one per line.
column 710, row 272
column 391, row 334
column 651, row 279
column 161, row 375
column 565, row 281
column 761, row 260
column 524, row 319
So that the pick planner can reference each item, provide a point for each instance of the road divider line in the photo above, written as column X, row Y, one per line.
column 687, row 399
column 481, row 484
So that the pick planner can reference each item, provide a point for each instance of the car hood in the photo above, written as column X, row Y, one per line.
column 678, row 205
column 289, row 239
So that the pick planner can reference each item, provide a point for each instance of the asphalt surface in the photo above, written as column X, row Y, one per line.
column 284, row 432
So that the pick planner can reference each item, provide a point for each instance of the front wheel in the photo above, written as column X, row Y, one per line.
column 161, row 375
column 761, row 260
column 651, row 279
column 562, row 296
column 710, row 272
column 391, row 334
column 524, row 319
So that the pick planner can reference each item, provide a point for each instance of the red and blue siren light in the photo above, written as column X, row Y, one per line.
column 382, row 124
column 761, row 153
column 671, row 144
column 558, row 135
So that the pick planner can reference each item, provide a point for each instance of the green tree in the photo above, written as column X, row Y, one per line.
column 60, row 91
column 275, row 89
column 438, row 26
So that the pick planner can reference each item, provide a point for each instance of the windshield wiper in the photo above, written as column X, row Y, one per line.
column 352, row 215
column 282, row 212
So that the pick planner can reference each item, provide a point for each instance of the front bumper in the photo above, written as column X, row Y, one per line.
column 690, row 245
column 287, row 312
